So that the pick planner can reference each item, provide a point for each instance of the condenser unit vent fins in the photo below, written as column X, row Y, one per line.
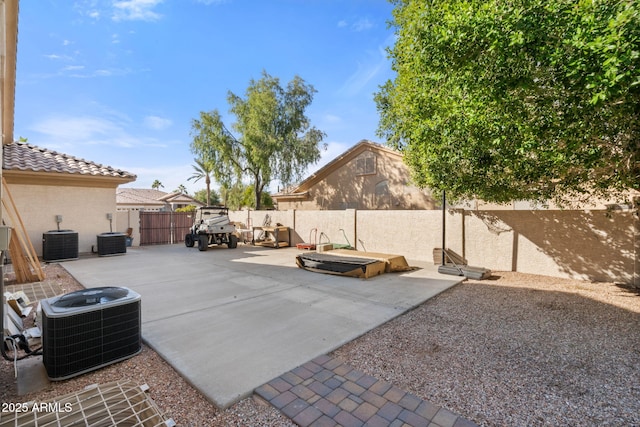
column 112, row 244
column 58, row 245
column 89, row 329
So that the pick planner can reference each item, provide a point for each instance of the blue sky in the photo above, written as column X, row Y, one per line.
column 118, row 82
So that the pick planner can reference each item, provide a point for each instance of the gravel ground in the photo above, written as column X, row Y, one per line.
column 517, row 350
column 520, row 350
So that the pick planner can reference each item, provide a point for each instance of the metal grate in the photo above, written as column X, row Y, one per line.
column 121, row 403
column 37, row 291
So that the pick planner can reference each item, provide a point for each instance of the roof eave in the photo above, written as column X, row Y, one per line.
column 293, row 197
column 29, row 177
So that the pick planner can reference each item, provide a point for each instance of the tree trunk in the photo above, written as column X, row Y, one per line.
column 208, row 182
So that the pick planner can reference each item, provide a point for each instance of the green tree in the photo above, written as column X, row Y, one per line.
column 182, row 189
column 275, row 138
column 267, row 200
column 203, row 169
column 236, row 196
column 189, row 208
column 157, row 185
column 526, row 99
column 240, row 196
column 209, row 198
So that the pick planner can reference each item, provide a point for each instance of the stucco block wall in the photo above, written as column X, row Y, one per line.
column 592, row 245
column 258, row 218
column 38, row 206
column 413, row 234
column 129, row 219
column 328, row 225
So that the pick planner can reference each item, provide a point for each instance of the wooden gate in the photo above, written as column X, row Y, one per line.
column 162, row 228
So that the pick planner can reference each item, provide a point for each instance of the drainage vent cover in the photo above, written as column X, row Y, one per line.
column 122, row 404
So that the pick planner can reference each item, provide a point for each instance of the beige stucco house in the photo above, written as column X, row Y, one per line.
column 367, row 176
column 46, row 185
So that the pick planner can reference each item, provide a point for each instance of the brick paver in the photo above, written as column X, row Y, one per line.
column 328, row 392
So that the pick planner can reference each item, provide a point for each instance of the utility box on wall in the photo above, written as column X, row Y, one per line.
column 5, row 237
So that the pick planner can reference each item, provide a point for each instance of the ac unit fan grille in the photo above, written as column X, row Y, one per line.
column 59, row 245
column 112, row 244
column 84, row 341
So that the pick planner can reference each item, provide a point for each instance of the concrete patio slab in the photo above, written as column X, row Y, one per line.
column 230, row 320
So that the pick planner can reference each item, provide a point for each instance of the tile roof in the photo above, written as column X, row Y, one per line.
column 146, row 196
column 177, row 197
column 142, row 196
column 26, row 157
column 320, row 174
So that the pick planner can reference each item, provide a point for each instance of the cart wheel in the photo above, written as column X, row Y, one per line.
column 188, row 240
column 233, row 241
column 203, row 243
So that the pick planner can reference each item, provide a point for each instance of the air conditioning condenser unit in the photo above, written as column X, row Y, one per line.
column 88, row 329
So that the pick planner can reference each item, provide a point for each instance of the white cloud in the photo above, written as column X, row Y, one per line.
column 88, row 8
column 367, row 70
column 69, row 129
column 56, row 57
column 332, row 118
column 362, row 24
column 136, row 10
column 104, row 72
column 157, row 123
column 73, row 67
column 361, row 77
column 209, row 2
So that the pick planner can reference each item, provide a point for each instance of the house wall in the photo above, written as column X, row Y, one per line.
column 129, row 219
column 38, row 205
column 384, row 184
column 591, row 245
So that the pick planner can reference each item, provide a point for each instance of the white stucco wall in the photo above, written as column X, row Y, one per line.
column 592, row 245
column 38, row 206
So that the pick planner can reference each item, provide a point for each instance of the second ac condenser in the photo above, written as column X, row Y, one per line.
column 112, row 244
column 58, row 245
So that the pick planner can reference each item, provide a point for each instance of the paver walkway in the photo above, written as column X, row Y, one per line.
column 328, row 392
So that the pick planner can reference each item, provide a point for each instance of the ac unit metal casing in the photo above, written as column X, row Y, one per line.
column 86, row 330
column 58, row 245
column 112, row 244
